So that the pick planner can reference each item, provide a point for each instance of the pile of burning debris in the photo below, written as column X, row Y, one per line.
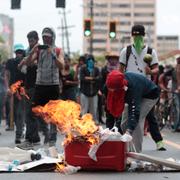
column 87, row 145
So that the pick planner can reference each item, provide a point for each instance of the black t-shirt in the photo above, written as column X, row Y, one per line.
column 15, row 73
column 30, row 77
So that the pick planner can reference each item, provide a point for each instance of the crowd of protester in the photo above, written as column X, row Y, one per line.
column 115, row 94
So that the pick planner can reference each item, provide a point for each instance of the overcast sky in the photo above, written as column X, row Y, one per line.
column 37, row 14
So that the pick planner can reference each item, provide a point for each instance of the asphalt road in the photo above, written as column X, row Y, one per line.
column 171, row 139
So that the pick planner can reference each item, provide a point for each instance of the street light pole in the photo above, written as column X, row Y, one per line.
column 92, row 26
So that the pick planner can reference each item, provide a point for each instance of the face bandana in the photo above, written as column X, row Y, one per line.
column 112, row 65
column 138, row 43
column 90, row 65
column 116, row 83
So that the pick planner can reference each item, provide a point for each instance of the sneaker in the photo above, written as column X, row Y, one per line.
column 17, row 141
column 46, row 140
column 160, row 146
column 26, row 145
column 36, row 143
column 9, row 129
column 52, row 143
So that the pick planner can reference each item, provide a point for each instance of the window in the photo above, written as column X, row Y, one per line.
column 100, row 31
column 144, row 23
column 99, row 40
column 115, row 14
column 115, row 5
column 143, row 14
column 144, row 5
column 100, row 23
column 100, row 5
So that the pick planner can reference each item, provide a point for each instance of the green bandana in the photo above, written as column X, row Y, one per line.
column 138, row 43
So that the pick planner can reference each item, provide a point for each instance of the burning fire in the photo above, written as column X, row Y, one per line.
column 66, row 116
column 18, row 88
column 60, row 167
column 14, row 87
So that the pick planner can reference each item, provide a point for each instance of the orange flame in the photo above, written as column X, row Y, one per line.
column 14, row 87
column 60, row 167
column 66, row 116
column 17, row 88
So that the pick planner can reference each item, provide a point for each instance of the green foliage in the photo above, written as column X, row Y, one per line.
column 4, row 54
column 100, row 60
column 1, row 39
column 74, row 57
column 3, row 51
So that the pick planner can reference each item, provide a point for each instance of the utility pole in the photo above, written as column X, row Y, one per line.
column 92, row 25
column 66, row 32
column 62, row 29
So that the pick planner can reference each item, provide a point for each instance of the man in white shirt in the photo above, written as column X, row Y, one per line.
column 132, row 60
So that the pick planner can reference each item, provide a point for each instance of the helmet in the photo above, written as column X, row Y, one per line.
column 18, row 47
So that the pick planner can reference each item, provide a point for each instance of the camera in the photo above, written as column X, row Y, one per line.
column 43, row 46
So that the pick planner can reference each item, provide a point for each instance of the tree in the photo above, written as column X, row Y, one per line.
column 3, row 52
column 1, row 39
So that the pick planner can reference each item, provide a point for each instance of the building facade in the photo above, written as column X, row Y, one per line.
column 167, row 44
column 7, row 33
column 125, row 13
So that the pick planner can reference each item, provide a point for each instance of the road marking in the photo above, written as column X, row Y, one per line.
column 170, row 143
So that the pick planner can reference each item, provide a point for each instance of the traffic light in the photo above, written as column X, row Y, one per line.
column 60, row 3
column 112, row 29
column 15, row 4
column 87, row 27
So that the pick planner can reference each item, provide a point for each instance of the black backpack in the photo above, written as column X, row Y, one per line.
column 129, row 50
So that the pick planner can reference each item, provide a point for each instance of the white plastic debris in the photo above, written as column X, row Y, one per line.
column 70, row 169
column 107, row 135
column 10, row 154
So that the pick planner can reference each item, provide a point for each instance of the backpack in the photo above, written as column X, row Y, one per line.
column 128, row 53
column 154, row 78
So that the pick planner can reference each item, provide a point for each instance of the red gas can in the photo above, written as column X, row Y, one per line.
column 111, row 155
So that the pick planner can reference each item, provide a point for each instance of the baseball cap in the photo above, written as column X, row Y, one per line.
column 18, row 47
column 138, row 30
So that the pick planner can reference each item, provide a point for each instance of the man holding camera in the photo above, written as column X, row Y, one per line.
column 49, row 62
